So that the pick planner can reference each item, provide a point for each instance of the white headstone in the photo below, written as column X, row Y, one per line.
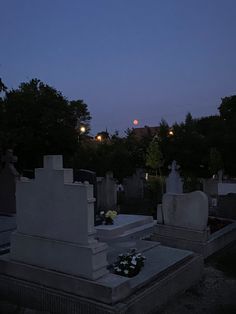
column 174, row 182
column 188, row 210
column 55, row 221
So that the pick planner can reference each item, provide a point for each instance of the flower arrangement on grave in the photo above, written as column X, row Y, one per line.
column 108, row 217
column 129, row 264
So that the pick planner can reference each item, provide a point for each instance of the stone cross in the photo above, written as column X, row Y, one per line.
column 174, row 182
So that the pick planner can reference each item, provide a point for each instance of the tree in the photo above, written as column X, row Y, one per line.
column 227, row 108
column 38, row 121
column 227, row 111
column 216, row 162
column 154, row 158
column 3, row 87
column 81, row 115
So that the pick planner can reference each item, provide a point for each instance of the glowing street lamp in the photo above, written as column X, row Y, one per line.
column 135, row 122
column 171, row 133
column 99, row 138
column 82, row 129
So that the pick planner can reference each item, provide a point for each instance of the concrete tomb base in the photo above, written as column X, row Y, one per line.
column 126, row 227
column 87, row 261
column 167, row 271
column 199, row 241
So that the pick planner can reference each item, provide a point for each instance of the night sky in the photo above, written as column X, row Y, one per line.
column 127, row 59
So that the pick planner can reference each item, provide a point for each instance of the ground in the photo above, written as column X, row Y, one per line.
column 214, row 294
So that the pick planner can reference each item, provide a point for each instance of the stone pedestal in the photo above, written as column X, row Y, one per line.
column 88, row 261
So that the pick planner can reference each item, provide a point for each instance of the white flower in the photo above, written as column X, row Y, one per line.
column 132, row 267
column 134, row 262
column 123, row 262
column 117, row 269
column 102, row 213
column 126, row 271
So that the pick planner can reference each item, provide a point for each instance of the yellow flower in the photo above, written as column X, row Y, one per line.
column 111, row 214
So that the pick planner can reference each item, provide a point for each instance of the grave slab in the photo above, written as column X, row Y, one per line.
column 201, row 242
column 126, row 227
column 166, row 272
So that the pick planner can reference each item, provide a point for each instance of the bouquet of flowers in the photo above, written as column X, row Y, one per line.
column 108, row 217
column 129, row 264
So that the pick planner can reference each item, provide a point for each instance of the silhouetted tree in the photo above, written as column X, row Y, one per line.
column 38, row 121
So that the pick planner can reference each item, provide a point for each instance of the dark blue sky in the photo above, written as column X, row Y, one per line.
column 144, row 59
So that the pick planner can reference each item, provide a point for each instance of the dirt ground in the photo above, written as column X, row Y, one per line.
column 214, row 294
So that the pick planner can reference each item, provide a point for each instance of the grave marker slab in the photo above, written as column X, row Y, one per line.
column 55, row 221
column 174, row 182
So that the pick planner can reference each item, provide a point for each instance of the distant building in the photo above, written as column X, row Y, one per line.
column 146, row 131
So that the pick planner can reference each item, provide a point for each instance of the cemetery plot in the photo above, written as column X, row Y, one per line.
column 182, row 222
column 57, row 264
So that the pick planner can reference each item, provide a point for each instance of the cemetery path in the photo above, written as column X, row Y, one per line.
column 214, row 294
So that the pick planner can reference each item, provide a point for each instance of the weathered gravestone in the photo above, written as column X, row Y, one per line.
column 106, row 192
column 134, row 186
column 55, row 223
column 8, row 178
column 182, row 222
column 188, row 210
column 174, row 182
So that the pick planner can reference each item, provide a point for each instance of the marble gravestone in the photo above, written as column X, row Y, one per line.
column 8, row 178
column 174, row 182
column 189, row 210
column 55, row 223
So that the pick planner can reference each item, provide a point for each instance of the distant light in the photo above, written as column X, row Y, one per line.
column 99, row 138
column 171, row 133
column 135, row 122
column 82, row 129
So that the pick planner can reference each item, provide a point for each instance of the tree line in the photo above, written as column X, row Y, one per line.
column 36, row 119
